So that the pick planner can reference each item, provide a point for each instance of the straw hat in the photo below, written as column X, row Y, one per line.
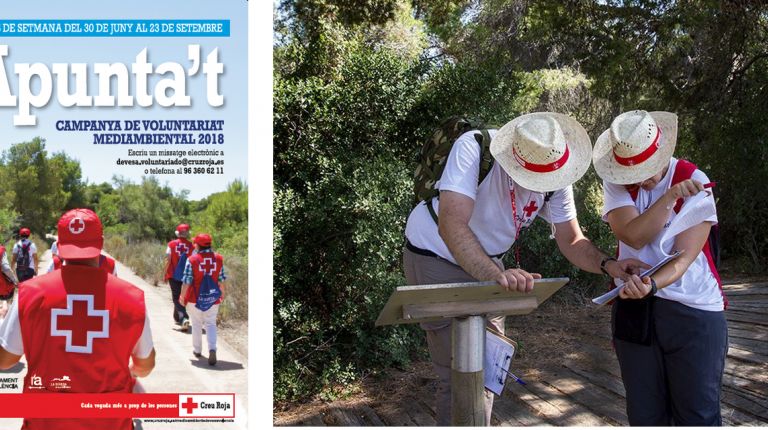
column 543, row 151
column 638, row 145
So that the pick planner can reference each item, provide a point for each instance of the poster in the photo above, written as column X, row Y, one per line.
column 137, row 111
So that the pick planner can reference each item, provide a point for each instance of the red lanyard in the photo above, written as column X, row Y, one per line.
column 517, row 226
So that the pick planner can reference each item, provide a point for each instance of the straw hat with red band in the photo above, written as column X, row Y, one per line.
column 638, row 145
column 543, row 151
column 80, row 235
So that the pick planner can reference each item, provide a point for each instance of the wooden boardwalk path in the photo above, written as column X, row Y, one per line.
column 572, row 375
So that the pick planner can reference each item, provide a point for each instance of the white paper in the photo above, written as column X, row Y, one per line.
column 695, row 210
column 498, row 357
column 610, row 295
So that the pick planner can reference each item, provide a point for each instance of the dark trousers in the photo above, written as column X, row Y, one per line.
column 24, row 273
column 179, row 311
column 676, row 380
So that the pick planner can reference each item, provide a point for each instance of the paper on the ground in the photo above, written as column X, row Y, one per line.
column 498, row 357
column 695, row 210
column 610, row 295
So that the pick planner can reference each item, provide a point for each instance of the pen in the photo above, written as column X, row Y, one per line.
column 518, row 380
column 710, row 184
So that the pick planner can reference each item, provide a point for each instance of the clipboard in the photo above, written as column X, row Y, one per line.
column 499, row 351
column 614, row 293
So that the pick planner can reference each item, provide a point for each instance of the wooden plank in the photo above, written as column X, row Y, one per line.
column 748, row 334
column 599, row 377
column 757, row 288
column 312, row 421
column 745, row 326
column 345, row 417
column 395, row 416
column 747, row 317
column 746, row 370
column 392, row 313
column 744, row 355
column 735, row 417
column 746, row 403
column 744, row 286
column 515, row 413
column 559, row 409
column 422, row 312
column 737, row 382
column 606, row 405
column 420, row 415
column 756, row 346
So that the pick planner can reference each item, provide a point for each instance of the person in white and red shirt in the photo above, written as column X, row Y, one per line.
column 25, row 256
column 177, row 253
column 669, row 329
column 537, row 158
column 80, row 322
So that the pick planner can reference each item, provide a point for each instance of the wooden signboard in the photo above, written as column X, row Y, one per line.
column 420, row 303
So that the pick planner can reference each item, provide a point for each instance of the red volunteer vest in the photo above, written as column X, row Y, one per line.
column 105, row 263
column 178, row 247
column 79, row 326
column 204, row 263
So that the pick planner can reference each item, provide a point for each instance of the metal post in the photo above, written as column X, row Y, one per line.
column 467, row 386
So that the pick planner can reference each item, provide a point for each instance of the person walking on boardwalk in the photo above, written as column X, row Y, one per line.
column 25, row 256
column 461, row 234
column 202, row 292
column 81, row 323
column 176, row 255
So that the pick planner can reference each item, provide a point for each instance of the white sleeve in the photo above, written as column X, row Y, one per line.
column 32, row 248
column 10, row 331
column 50, row 267
column 614, row 197
column 561, row 206
column 167, row 250
column 462, row 167
column 144, row 345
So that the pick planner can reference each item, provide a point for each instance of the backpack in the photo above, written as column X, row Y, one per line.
column 435, row 150
column 23, row 259
column 684, row 170
column 208, row 293
column 178, row 273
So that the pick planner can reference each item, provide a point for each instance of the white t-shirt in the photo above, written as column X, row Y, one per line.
column 491, row 220
column 32, row 252
column 11, row 340
column 697, row 287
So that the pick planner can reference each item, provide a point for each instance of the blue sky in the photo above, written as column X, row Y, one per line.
column 98, row 161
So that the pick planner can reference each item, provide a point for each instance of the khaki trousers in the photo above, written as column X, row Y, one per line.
column 425, row 270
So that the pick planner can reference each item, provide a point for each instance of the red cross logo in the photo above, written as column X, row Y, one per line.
column 208, row 266
column 189, row 405
column 181, row 248
column 76, row 226
column 530, row 209
column 80, row 323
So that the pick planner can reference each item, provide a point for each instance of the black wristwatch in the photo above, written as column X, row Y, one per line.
column 602, row 264
column 653, row 288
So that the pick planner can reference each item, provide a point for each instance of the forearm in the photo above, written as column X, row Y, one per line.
column 583, row 254
column 142, row 367
column 467, row 251
column 642, row 229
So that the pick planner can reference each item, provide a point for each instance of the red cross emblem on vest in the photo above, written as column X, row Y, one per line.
column 189, row 405
column 208, row 266
column 181, row 248
column 76, row 226
column 80, row 323
column 530, row 209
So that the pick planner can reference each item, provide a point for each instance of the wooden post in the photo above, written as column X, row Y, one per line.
column 467, row 385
